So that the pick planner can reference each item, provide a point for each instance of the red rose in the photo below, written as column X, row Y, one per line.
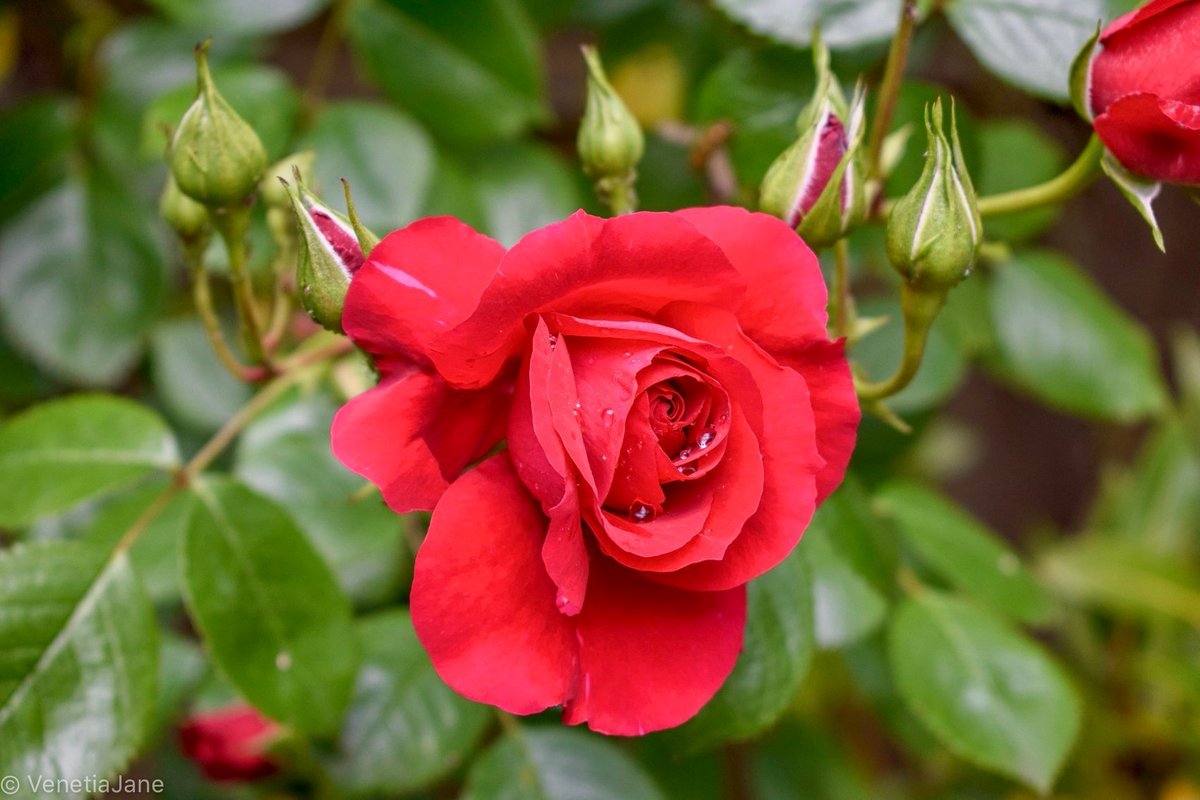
column 1144, row 90
column 674, row 412
column 229, row 744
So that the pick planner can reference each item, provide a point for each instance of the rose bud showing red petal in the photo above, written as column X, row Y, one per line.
column 1143, row 89
column 674, row 412
column 229, row 744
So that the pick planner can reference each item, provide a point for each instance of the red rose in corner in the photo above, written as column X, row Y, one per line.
column 229, row 744
column 1144, row 90
column 674, row 412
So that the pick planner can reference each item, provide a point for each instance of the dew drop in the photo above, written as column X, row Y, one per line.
column 687, row 469
column 609, row 415
column 640, row 512
column 684, row 452
column 706, row 438
column 553, row 341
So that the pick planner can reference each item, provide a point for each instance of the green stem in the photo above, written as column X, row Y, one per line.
column 889, row 87
column 202, row 298
column 841, row 283
column 1058, row 189
column 920, row 308
column 233, row 224
column 618, row 194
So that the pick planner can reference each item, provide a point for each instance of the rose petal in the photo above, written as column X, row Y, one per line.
column 650, row 656
column 1152, row 51
column 629, row 264
column 482, row 604
column 417, row 283
column 414, row 433
column 785, row 296
column 1159, row 139
column 835, row 408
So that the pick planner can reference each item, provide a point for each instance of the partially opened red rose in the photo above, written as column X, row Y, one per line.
column 674, row 412
column 1144, row 90
column 230, row 744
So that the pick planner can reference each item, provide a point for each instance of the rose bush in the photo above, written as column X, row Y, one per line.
column 674, row 412
column 1144, row 90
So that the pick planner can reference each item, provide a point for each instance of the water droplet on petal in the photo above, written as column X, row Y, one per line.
column 684, row 452
column 609, row 416
column 706, row 438
column 553, row 341
column 687, row 469
column 640, row 512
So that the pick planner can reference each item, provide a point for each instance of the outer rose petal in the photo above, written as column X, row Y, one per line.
column 1151, row 50
column 835, row 408
column 1157, row 138
column 413, row 434
column 482, row 604
column 650, row 656
column 583, row 265
column 785, row 293
column 417, row 283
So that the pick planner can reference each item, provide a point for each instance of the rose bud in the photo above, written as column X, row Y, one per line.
column 230, row 744
column 185, row 216
column 934, row 231
column 1137, row 81
column 331, row 253
column 610, row 141
column 215, row 156
column 817, row 184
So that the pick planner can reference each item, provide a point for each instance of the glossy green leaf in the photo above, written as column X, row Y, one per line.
column 1029, row 43
column 82, row 280
column 35, row 137
column 843, row 23
column 285, row 455
column 78, row 665
column 1124, row 577
column 1062, row 340
column 556, row 764
column 846, row 606
column 271, row 612
column 405, row 729
column 241, row 18
column 1017, row 154
column 962, row 551
column 521, row 188
column 263, row 96
column 193, row 385
column 63, row 452
column 776, row 653
column 470, row 70
column 385, row 156
column 991, row 696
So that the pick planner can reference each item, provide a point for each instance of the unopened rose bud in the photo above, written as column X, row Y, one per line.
column 186, row 217
column 934, row 231
column 330, row 255
column 215, row 156
column 610, row 140
column 817, row 185
column 230, row 744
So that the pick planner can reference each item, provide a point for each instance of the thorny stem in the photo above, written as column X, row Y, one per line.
column 841, row 282
column 233, row 224
column 1073, row 180
column 889, row 87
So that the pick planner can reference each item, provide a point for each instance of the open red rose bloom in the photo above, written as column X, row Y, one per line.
column 674, row 412
column 1144, row 89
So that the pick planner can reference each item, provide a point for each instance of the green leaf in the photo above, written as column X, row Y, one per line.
column 1061, row 339
column 262, row 95
column 1016, row 154
column 843, row 23
column 556, row 764
column 78, row 666
column 521, row 188
column 268, row 607
column 470, row 70
column 776, row 653
column 1123, row 577
column 385, row 156
column 191, row 382
column 846, row 606
column 405, row 729
column 237, row 17
column 285, row 455
column 1030, row 43
column 35, row 137
column 986, row 692
column 63, row 452
column 960, row 550
column 154, row 555
column 1140, row 192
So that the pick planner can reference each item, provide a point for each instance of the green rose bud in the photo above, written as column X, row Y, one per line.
column 215, row 156
column 330, row 255
column 186, row 217
column 934, row 231
column 610, row 140
column 818, row 184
